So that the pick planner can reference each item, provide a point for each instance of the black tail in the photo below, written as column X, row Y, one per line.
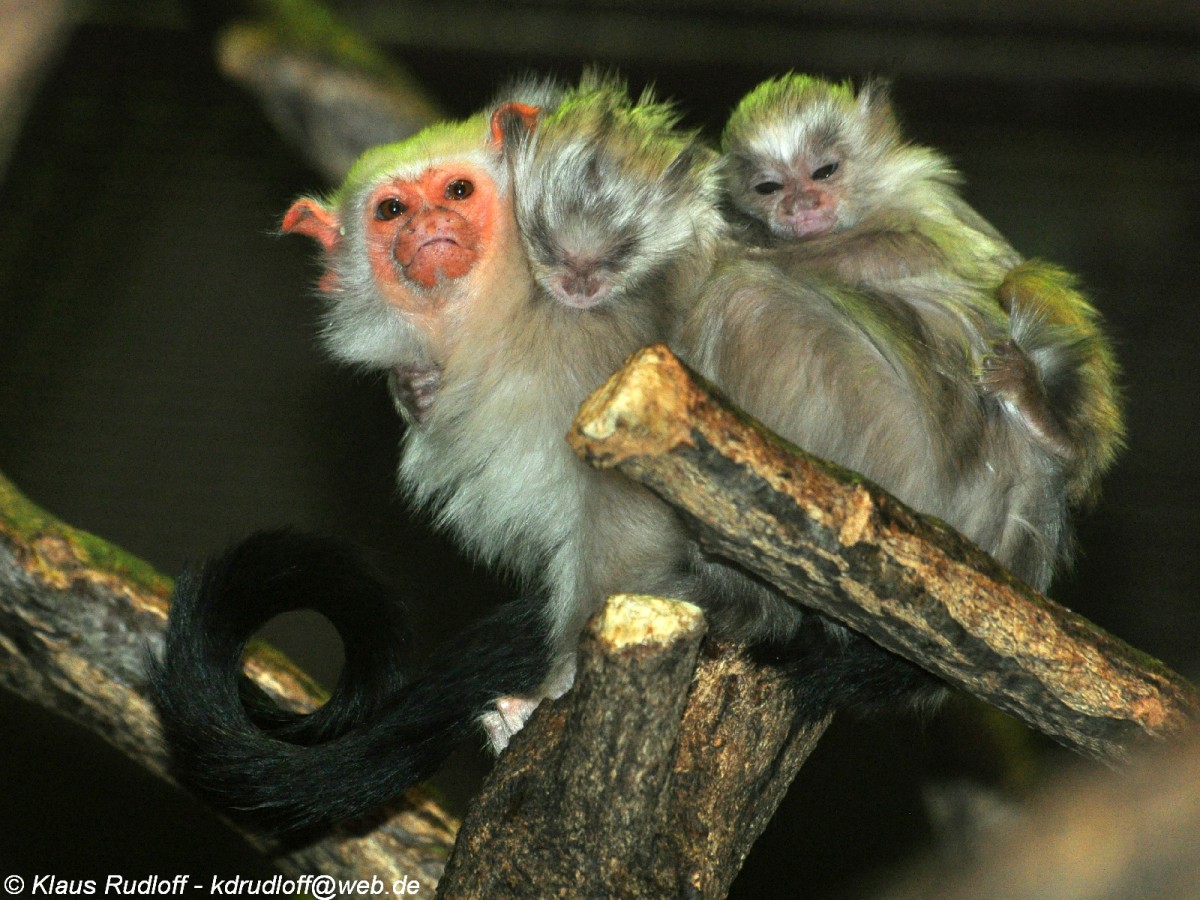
column 837, row 668
column 378, row 734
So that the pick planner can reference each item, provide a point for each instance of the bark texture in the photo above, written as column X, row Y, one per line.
column 834, row 541
column 652, row 777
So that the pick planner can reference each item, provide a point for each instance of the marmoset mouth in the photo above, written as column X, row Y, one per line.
column 437, row 258
column 812, row 224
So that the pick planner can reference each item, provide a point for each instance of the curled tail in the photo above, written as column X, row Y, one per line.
column 1053, row 322
column 379, row 733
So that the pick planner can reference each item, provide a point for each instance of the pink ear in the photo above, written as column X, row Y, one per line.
column 506, row 114
column 311, row 218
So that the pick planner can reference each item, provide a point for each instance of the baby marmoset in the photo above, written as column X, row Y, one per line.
column 823, row 178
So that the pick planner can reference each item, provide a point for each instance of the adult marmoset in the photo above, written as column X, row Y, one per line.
column 427, row 269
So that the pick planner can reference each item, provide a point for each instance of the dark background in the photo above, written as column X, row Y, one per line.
column 160, row 383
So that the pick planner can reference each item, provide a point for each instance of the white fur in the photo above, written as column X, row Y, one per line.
column 490, row 456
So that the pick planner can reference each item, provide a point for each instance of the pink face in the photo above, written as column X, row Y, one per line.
column 419, row 233
column 429, row 229
column 799, row 204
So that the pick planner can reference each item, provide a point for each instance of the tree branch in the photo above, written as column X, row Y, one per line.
column 631, row 783
column 328, row 91
column 650, row 759
column 832, row 540
column 647, row 775
column 77, row 618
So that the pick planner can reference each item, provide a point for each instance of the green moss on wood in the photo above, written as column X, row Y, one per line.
column 312, row 26
column 25, row 522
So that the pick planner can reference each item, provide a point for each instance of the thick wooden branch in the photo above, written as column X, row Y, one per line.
column 77, row 617
column 652, row 777
column 833, row 541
